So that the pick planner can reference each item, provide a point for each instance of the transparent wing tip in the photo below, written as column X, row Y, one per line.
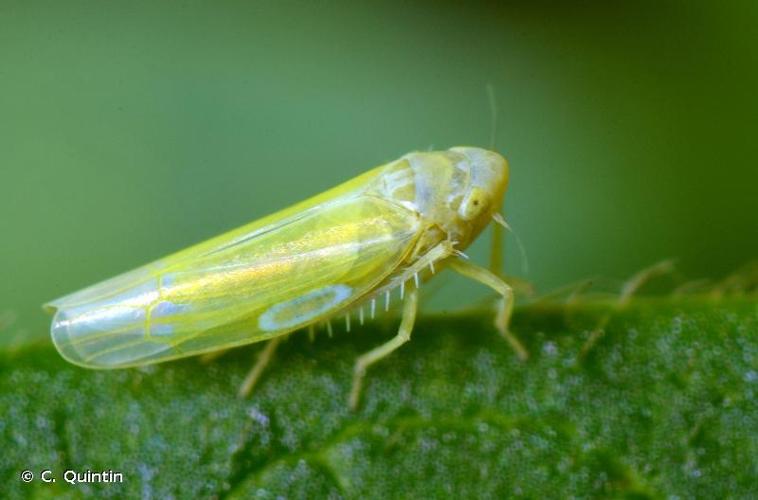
column 98, row 345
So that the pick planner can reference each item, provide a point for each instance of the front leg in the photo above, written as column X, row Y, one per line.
column 482, row 275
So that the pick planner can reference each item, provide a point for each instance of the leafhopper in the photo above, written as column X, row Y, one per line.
column 340, row 253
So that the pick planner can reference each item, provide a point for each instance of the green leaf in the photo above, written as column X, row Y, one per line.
column 660, row 402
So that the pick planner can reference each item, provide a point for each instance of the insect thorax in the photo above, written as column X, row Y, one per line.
column 433, row 185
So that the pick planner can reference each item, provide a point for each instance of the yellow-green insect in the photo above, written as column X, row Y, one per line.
column 341, row 252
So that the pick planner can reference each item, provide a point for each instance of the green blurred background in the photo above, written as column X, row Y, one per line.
column 130, row 130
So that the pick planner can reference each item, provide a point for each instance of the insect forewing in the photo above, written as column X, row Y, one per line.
column 240, row 289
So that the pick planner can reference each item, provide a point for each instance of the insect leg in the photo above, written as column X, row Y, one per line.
column 486, row 277
column 629, row 288
column 496, row 249
column 212, row 356
column 410, row 305
column 255, row 372
column 638, row 280
column 311, row 333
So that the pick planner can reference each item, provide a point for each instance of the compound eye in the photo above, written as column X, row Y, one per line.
column 475, row 203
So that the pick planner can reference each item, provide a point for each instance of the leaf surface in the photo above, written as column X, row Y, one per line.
column 660, row 402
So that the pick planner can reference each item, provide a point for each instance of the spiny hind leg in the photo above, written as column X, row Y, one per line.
column 410, row 305
column 264, row 358
column 503, row 317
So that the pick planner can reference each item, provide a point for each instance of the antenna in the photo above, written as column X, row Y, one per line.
column 500, row 221
column 493, row 115
column 498, row 238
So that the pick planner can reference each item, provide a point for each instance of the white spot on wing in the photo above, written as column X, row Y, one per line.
column 311, row 305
